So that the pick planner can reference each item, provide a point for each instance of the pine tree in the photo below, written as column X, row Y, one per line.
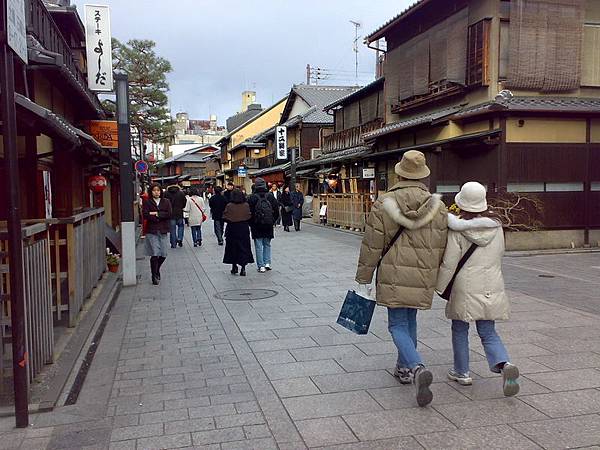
column 148, row 87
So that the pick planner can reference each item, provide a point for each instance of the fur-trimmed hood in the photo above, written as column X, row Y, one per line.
column 480, row 230
column 413, row 219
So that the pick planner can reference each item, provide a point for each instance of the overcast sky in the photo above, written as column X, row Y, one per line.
column 218, row 48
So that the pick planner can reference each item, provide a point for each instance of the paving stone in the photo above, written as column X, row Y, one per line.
column 231, row 398
column 568, row 380
column 218, row 436
column 492, row 388
column 326, row 405
column 281, row 344
column 298, row 332
column 571, row 432
column 345, row 338
column 275, row 357
column 162, row 442
column 403, row 396
column 36, row 443
column 337, row 352
column 354, row 381
column 211, row 411
column 295, row 387
column 135, row 432
column 189, row 426
column 239, row 420
column 403, row 443
column 164, row 416
column 122, row 445
column 301, row 369
column 489, row 412
column 570, row 361
column 564, row 404
column 525, row 365
column 140, row 407
column 408, row 421
column 257, row 431
column 246, row 407
column 497, row 438
column 252, row 444
column 325, row 431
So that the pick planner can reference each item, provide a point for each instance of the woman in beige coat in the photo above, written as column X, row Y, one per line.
column 477, row 294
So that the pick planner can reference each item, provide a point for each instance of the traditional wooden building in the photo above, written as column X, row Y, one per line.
column 65, row 222
column 196, row 166
column 503, row 92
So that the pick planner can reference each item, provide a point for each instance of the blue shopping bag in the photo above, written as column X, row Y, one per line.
column 356, row 313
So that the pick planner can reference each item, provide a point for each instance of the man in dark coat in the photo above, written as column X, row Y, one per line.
column 297, row 202
column 265, row 212
column 178, row 201
column 217, row 205
column 228, row 191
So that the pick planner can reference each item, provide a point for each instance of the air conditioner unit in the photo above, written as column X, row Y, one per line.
column 315, row 152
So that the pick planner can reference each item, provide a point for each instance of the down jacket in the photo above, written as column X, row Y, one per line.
column 409, row 270
column 478, row 290
column 194, row 208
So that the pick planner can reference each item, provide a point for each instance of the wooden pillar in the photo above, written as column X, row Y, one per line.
column 62, row 182
column 502, row 178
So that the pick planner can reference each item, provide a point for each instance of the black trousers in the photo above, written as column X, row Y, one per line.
column 218, row 226
column 297, row 224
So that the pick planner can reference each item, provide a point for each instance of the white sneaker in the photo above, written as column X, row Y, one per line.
column 268, row 267
column 463, row 379
column 510, row 383
column 262, row 270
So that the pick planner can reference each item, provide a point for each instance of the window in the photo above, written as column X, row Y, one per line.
column 504, row 50
column 478, row 46
column 595, row 186
column 546, row 187
column 505, row 9
column 525, row 187
column 564, row 187
column 447, row 188
column 590, row 58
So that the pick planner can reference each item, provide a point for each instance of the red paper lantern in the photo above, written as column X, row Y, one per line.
column 97, row 183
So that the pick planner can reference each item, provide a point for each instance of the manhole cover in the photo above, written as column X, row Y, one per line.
column 244, row 295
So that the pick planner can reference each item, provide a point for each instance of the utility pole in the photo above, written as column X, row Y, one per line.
column 355, row 48
column 126, row 178
column 308, row 74
column 15, row 243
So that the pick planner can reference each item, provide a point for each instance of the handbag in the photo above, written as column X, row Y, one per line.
column 357, row 311
column 204, row 217
column 288, row 209
column 448, row 291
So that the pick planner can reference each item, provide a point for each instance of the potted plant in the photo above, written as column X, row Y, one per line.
column 112, row 261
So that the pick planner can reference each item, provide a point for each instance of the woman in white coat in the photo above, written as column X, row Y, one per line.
column 195, row 209
column 477, row 294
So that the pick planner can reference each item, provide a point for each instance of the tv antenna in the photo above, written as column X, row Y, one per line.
column 357, row 25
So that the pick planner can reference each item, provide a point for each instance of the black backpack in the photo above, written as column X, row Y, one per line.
column 263, row 212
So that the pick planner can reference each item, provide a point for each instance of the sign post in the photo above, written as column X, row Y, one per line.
column 12, row 24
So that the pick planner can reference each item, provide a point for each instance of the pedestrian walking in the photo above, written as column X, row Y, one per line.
column 404, row 241
column 228, row 190
column 217, row 205
column 237, row 215
column 277, row 194
column 157, row 213
column 287, row 208
column 472, row 267
column 195, row 209
column 297, row 201
column 264, row 209
column 178, row 201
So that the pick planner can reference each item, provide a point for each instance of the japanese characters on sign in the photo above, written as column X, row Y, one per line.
column 369, row 173
column 15, row 28
column 281, row 143
column 106, row 132
column 98, row 48
column 242, row 172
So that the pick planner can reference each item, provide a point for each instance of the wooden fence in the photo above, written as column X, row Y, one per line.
column 38, row 299
column 344, row 210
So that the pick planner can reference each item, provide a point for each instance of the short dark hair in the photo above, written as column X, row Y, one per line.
column 218, row 189
column 151, row 188
column 193, row 191
column 230, row 183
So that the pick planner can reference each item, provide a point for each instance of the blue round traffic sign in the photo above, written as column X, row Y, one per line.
column 141, row 166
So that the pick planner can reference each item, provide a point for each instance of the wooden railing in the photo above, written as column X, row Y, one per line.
column 78, row 246
column 344, row 210
column 38, row 298
column 351, row 137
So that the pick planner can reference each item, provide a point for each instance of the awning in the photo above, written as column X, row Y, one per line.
column 88, row 139
column 305, row 172
column 326, row 171
column 280, row 168
column 463, row 138
column 349, row 154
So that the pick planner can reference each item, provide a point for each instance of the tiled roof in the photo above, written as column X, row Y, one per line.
column 356, row 94
column 318, row 97
column 373, row 36
column 412, row 122
column 329, row 158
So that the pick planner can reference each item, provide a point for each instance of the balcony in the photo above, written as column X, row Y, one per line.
column 254, row 163
column 351, row 137
column 44, row 29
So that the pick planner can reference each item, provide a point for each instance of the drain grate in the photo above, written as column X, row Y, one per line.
column 244, row 295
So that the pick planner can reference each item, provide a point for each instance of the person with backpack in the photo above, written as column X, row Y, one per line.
column 404, row 242
column 195, row 210
column 471, row 279
column 265, row 211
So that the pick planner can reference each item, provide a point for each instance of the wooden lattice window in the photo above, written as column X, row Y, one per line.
column 478, row 52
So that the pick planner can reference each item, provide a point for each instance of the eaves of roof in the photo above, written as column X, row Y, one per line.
column 357, row 94
column 380, row 32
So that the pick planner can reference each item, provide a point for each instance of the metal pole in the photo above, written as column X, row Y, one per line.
column 127, row 178
column 15, row 244
column 293, row 170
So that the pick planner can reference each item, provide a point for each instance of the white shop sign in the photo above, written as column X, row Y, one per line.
column 98, row 48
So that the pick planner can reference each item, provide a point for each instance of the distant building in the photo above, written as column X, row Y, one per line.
column 191, row 131
column 249, row 110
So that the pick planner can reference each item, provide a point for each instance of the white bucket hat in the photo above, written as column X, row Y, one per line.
column 472, row 197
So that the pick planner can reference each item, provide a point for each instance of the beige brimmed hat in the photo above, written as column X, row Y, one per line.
column 471, row 197
column 413, row 166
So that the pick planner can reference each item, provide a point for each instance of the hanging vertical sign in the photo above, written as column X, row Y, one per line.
column 16, row 35
column 281, row 142
column 98, row 48
column 47, row 193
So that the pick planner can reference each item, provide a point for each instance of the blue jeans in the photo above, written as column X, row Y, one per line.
column 197, row 233
column 177, row 226
column 495, row 351
column 402, row 324
column 263, row 252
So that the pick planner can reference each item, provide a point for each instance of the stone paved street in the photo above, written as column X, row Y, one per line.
column 180, row 368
